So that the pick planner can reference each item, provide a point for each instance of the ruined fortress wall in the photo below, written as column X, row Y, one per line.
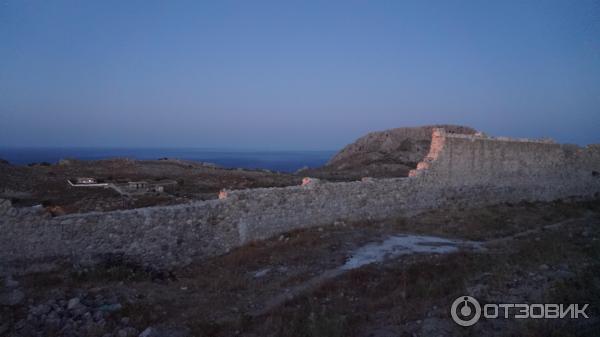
column 535, row 170
column 460, row 169
column 171, row 235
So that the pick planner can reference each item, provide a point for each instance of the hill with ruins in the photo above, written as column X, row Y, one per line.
column 388, row 153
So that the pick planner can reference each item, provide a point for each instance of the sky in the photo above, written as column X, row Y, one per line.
column 301, row 75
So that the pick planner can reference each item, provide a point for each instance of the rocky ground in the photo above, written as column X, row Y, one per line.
column 296, row 284
column 47, row 184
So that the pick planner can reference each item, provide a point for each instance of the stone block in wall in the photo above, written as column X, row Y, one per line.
column 5, row 206
column 310, row 182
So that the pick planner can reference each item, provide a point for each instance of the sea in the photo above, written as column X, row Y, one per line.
column 281, row 161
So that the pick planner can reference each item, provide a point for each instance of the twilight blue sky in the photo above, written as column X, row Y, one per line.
column 293, row 74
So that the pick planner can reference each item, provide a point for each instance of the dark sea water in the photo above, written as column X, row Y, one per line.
column 284, row 161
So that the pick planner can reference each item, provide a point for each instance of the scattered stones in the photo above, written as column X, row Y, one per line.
column 148, row 332
column 339, row 224
column 262, row 272
column 73, row 303
column 5, row 206
column 110, row 307
column 12, row 298
column 85, row 314
column 41, row 309
column 165, row 332
column 20, row 324
column 564, row 274
column 127, row 332
column 98, row 316
column 9, row 282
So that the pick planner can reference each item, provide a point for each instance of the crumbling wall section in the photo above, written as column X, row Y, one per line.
column 540, row 169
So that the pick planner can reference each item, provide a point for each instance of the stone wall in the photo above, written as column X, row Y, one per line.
column 459, row 169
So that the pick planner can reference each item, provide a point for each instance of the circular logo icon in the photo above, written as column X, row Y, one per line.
column 465, row 311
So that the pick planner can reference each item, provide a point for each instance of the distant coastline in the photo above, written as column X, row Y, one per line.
column 283, row 161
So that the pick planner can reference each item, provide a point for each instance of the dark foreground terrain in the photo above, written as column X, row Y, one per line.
column 293, row 285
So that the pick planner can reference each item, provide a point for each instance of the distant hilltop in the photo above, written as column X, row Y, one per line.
column 388, row 153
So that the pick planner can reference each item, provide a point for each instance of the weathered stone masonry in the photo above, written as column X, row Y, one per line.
column 460, row 169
